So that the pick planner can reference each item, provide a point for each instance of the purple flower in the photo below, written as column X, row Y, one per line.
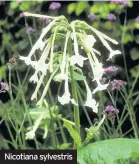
column 111, row 17
column 12, row 60
column 29, row 30
column 54, row 5
column 110, row 69
column 92, row 16
column 110, row 111
column 125, row 3
column 121, row 2
column 46, row 20
column 19, row 1
column 4, row 87
column 116, row 84
column 137, row 19
column 21, row 14
column 115, row 1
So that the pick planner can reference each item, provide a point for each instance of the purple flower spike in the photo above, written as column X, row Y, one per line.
column 92, row 16
column 116, row 84
column 29, row 30
column 54, row 5
column 137, row 19
column 4, row 87
column 110, row 111
column 111, row 17
column 110, row 69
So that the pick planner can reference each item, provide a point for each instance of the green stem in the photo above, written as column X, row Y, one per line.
column 74, row 94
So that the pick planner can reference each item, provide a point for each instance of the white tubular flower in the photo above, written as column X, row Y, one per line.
column 100, row 87
column 40, row 66
column 30, row 135
column 65, row 99
column 27, row 59
column 98, row 71
column 89, row 41
column 34, row 95
column 34, row 78
column 60, row 77
column 113, row 53
column 91, row 102
column 77, row 59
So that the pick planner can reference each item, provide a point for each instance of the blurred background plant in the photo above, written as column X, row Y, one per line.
column 18, row 34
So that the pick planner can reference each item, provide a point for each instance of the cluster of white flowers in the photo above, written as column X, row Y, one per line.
column 67, row 60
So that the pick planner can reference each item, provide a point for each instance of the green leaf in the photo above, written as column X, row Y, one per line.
column 78, row 76
column 71, row 8
column 135, row 71
column 14, row 5
column 134, row 54
column 108, row 151
column 76, row 137
column 81, row 6
column 127, row 38
column 23, row 44
column 2, row 72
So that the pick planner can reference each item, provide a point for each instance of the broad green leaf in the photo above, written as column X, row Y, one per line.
column 71, row 8
column 81, row 6
column 14, row 5
column 108, row 151
column 127, row 38
column 134, row 54
column 76, row 137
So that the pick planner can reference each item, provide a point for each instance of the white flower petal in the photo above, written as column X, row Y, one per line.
column 65, row 99
column 30, row 135
column 26, row 59
column 100, row 87
column 77, row 59
column 113, row 53
column 34, row 78
column 89, row 41
column 60, row 77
